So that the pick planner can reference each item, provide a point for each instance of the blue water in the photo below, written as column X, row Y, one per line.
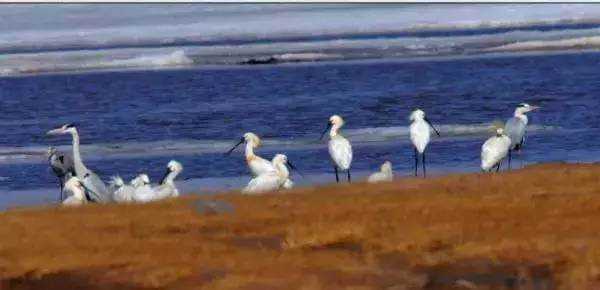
column 149, row 83
column 136, row 121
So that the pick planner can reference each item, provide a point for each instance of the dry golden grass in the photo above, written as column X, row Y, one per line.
column 537, row 228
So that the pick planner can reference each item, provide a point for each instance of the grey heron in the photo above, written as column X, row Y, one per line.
column 494, row 150
column 339, row 147
column 420, row 134
column 96, row 189
column 257, row 164
column 383, row 175
column 75, row 192
column 515, row 128
column 62, row 166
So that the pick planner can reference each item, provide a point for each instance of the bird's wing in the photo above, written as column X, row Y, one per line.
column 163, row 191
column 260, row 166
column 341, row 152
column 262, row 183
column 95, row 188
column 515, row 130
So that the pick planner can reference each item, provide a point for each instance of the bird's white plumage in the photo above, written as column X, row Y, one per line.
column 420, row 132
column 122, row 193
column 339, row 147
column 515, row 127
column 272, row 180
column 75, row 192
column 256, row 164
column 494, row 150
column 383, row 175
column 168, row 187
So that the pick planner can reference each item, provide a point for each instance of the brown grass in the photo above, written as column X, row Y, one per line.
column 537, row 228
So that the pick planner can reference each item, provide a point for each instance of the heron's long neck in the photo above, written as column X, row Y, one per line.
column 522, row 116
column 334, row 130
column 78, row 164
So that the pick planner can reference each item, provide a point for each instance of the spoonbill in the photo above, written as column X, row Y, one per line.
column 75, row 192
column 515, row 128
column 142, row 190
column 257, row 164
column 62, row 165
column 167, row 187
column 272, row 180
column 420, row 134
column 288, row 182
column 121, row 192
column 340, row 149
column 494, row 150
column 384, row 175
column 94, row 185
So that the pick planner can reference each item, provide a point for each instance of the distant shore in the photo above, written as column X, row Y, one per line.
column 535, row 227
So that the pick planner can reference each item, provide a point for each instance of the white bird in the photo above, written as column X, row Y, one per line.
column 142, row 190
column 340, row 149
column 515, row 128
column 384, row 175
column 257, row 164
column 75, row 192
column 420, row 134
column 167, row 187
column 271, row 180
column 288, row 182
column 121, row 192
column 494, row 150
column 94, row 186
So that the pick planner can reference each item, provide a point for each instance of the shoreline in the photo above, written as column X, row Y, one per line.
column 535, row 226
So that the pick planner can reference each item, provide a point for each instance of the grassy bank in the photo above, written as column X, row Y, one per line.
column 536, row 228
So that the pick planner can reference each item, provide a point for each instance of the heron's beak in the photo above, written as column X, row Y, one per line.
column 326, row 129
column 294, row 167
column 531, row 108
column 55, row 131
column 431, row 125
column 164, row 176
column 236, row 145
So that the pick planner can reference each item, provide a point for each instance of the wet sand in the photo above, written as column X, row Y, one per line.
column 535, row 228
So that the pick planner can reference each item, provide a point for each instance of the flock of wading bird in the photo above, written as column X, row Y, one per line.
column 80, row 185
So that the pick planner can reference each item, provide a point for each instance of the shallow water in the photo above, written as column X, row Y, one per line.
column 136, row 121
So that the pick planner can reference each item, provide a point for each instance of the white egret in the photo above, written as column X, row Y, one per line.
column 340, row 149
column 420, row 134
column 494, row 150
column 94, row 185
column 272, row 180
column 515, row 128
column 257, row 164
column 384, row 175
column 74, row 191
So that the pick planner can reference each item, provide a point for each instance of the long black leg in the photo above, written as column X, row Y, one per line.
column 337, row 178
column 498, row 166
column 61, row 189
column 509, row 157
column 416, row 161
column 423, row 163
column 348, row 174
